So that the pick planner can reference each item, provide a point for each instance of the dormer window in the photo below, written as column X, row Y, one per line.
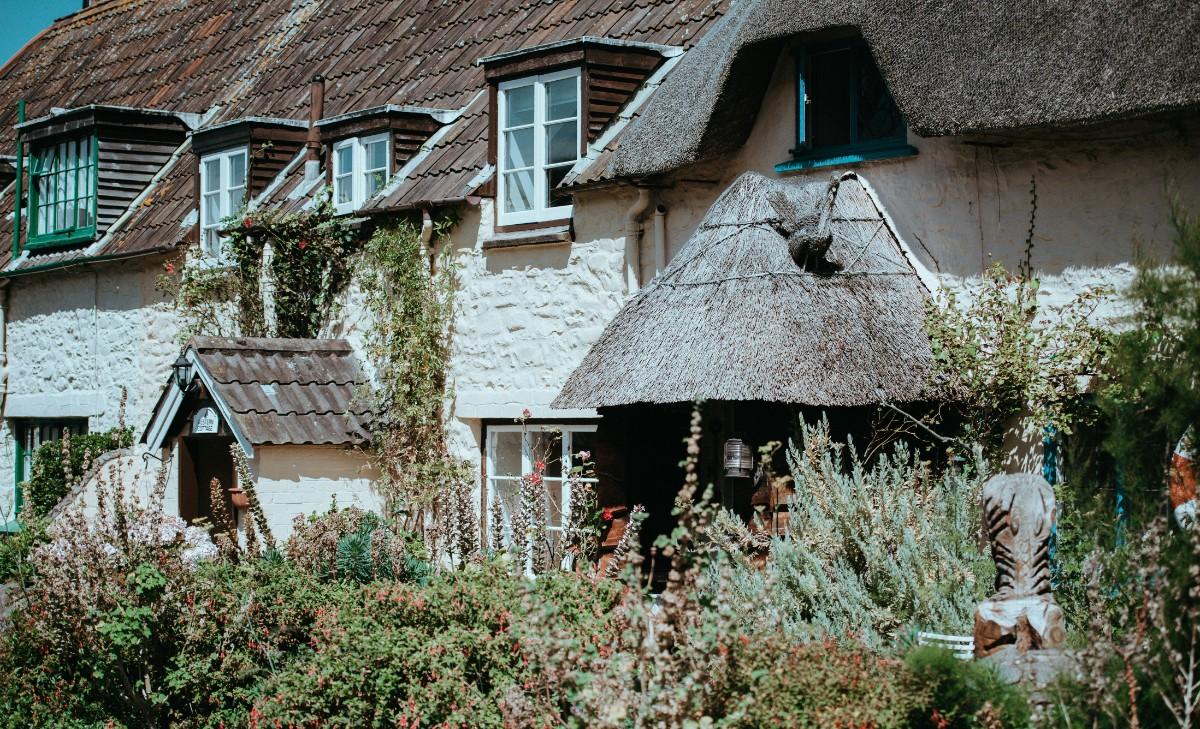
column 538, row 142
column 62, row 199
column 360, row 169
column 844, row 113
column 222, row 193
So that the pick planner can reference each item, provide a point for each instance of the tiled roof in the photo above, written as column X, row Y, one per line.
column 287, row 391
column 255, row 58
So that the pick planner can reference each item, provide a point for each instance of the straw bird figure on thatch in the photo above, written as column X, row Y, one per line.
column 810, row 242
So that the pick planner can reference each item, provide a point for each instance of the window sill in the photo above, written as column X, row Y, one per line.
column 64, row 239
column 555, row 235
column 847, row 157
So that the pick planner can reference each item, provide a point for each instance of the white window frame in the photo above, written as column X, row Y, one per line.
column 540, row 212
column 527, row 463
column 211, row 240
column 358, row 170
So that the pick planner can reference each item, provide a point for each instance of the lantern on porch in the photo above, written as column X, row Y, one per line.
column 739, row 461
column 183, row 373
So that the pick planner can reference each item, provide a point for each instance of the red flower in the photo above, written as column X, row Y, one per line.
column 170, row 268
column 539, row 466
column 247, row 222
column 535, row 478
column 607, row 514
column 303, row 244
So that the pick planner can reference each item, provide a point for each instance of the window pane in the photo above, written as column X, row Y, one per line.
column 554, row 490
column 518, row 149
column 878, row 117
column 555, row 197
column 345, row 160
column 212, row 175
column 237, row 170
column 518, row 106
column 582, row 441
column 547, row 448
column 212, row 208
column 828, row 88
column 562, row 143
column 234, row 199
column 377, row 155
column 372, row 181
column 518, row 191
column 506, row 454
column 561, row 99
column 341, row 189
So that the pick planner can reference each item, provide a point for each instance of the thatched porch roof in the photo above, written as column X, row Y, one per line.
column 735, row 317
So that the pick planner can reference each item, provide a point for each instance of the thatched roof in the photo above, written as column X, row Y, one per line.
column 735, row 317
column 953, row 66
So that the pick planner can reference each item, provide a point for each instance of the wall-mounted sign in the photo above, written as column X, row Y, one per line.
column 205, row 421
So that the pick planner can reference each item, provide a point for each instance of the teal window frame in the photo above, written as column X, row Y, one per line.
column 25, row 446
column 804, row 156
column 66, row 182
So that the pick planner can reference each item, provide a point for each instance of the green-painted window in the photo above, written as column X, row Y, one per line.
column 844, row 113
column 62, row 199
column 31, row 434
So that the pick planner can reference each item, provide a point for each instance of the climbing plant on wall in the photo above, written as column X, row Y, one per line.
column 409, row 346
column 301, row 260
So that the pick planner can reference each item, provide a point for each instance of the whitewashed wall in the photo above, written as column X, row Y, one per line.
column 76, row 338
column 302, row 480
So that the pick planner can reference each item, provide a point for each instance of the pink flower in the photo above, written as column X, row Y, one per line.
column 535, row 478
column 170, row 268
column 607, row 514
column 303, row 244
column 539, row 466
column 526, row 414
column 584, row 455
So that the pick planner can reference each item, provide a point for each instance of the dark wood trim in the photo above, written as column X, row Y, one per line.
column 519, row 227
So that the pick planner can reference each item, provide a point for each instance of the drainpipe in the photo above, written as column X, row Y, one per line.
column 16, row 247
column 633, row 234
column 316, row 110
column 426, row 236
column 660, row 239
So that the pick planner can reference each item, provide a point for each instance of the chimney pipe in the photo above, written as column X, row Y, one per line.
column 316, row 110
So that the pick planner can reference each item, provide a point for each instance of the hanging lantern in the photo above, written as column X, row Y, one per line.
column 739, row 461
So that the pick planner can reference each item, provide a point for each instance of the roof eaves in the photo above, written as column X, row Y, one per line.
column 665, row 50
column 189, row 119
column 442, row 116
column 273, row 121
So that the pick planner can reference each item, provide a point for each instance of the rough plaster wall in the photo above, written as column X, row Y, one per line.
column 127, row 469
column 301, row 480
column 76, row 338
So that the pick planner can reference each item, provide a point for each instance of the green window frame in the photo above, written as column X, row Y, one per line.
column 30, row 435
column 62, row 192
column 817, row 77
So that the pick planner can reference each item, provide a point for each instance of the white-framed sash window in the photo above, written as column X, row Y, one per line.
column 513, row 452
column 222, row 193
column 538, row 142
column 360, row 169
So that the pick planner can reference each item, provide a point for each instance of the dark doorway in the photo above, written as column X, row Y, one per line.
column 201, row 459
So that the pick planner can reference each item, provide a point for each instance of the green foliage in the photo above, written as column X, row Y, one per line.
column 964, row 694
column 57, row 465
column 356, row 545
column 203, row 296
column 441, row 655
column 1153, row 393
column 871, row 548
column 409, row 345
column 1000, row 360
column 16, row 549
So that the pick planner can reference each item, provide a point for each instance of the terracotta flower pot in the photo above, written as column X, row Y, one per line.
column 238, row 496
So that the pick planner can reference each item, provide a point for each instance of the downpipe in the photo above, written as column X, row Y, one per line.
column 633, row 236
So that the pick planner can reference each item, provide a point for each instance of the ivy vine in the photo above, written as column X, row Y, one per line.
column 1003, row 357
column 305, row 256
column 408, row 345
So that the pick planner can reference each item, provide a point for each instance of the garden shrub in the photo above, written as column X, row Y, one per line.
column 442, row 654
column 963, row 694
column 358, row 545
column 870, row 549
column 57, row 465
column 17, row 548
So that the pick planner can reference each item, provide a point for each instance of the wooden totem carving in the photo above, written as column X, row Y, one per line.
column 1018, row 514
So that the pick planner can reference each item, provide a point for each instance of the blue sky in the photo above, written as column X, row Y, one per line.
column 21, row 20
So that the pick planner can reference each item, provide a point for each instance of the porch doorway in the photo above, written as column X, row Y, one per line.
column 201, row 459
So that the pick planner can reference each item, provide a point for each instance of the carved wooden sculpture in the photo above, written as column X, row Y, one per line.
column 1018, row 513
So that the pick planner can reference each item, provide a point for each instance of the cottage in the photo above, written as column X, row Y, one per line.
column 585, row 150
